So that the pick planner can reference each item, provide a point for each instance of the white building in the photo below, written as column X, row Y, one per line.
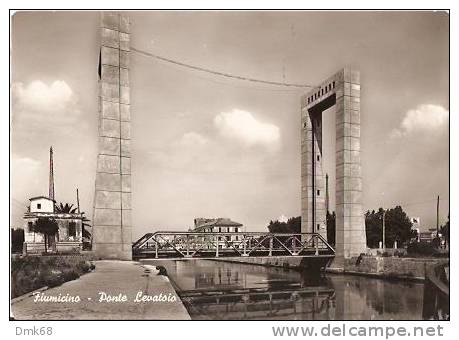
column 70, row 233
column 219, row 225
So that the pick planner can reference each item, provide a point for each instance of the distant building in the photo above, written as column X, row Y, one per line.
column 69, row 236
column 218, row 225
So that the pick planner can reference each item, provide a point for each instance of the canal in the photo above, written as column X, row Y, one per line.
column 215, row 290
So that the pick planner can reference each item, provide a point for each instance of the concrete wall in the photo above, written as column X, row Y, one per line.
column 390, row 267
column 112, row 230
column 376, row 266
column 38, row 248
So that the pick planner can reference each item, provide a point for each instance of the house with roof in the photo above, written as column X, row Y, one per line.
column 70, row 236
column 219, row 225
column 216, row 225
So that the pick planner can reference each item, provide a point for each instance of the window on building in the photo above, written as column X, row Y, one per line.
column 318, row 158
column 333, row 84
column 318, row 226
column 72, row 229
column 38, row 205
column 318, row 192
column 30, row 226
column 219, row 229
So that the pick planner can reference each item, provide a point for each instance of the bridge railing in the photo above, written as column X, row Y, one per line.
column 201, row 244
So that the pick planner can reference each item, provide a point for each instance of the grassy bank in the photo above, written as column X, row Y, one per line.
column 33, row 272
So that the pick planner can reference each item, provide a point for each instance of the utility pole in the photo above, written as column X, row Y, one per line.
column 327, row 202
column 384, row 230
column 51, row 174
column 438, row 208
column 78, row 202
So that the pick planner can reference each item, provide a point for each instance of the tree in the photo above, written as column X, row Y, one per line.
column 373, row 227
column 398, row 227
column 46, row 226
column 292, row 226
column 17, row 240
column 65, row 209
column 331, row 228
column 444, row 229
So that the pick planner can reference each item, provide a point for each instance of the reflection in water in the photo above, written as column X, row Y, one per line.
column 223, row 291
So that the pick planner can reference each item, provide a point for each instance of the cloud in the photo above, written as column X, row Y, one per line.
column 193, row 139
column 39, row 107
column 242, row 126
column 424, row 118
column 39, row 96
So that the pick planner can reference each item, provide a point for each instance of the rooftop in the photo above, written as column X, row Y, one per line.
column 40, row 197
column 216, row 222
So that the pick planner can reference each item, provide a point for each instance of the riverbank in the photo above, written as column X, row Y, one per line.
column 115, row 290
column 393, row 267
column 401, row 268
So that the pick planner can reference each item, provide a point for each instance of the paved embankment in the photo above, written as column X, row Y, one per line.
column 372, row 266
column 392, row 267
column 122, row 281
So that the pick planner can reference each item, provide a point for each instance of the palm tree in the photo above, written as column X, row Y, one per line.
column 65, row 209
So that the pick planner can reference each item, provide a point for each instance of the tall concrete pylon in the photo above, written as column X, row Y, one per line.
column 112, row 229
column 342, row 90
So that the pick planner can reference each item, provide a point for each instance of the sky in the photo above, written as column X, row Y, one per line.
column 207, row 146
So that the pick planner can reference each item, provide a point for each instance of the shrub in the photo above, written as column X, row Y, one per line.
column 399, row 253
column 421, row 248
column 71, row 275
column 83, row 266
column 29, row 273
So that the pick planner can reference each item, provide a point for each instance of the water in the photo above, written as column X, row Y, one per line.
column 213, row 290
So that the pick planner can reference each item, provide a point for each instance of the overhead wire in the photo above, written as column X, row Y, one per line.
column 218, row 73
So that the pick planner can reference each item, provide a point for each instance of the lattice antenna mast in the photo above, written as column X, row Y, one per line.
column 51, row 174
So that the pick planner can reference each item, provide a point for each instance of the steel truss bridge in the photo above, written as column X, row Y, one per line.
column 208, row 245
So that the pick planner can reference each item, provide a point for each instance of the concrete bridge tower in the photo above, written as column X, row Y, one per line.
column 342, row 90
column 112, row 228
